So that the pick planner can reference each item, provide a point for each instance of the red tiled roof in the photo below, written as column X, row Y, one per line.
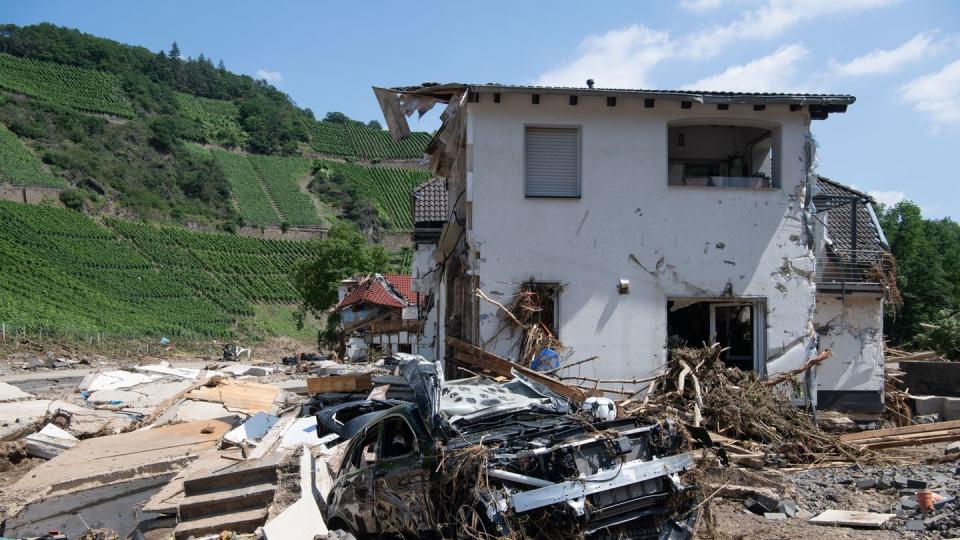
column 404, row 284
column 373, row 291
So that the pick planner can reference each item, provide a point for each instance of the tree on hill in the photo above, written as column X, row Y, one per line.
column 344, row 253
column 174, row 51
column 928, row 275
column 335, row 117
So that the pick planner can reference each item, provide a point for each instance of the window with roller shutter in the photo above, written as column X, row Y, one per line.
column 551, row 162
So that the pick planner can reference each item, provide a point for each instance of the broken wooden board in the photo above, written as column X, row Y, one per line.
column 477, row 357
column 353, row 382
column 905, row 430
column 238, row 396
column 849, row 518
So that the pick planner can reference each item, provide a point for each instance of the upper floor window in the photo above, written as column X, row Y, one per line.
column 723, row 156
column 551, row 162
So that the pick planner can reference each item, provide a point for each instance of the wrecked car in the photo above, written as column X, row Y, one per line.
column 476, row 458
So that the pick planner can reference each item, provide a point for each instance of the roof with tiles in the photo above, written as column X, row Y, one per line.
column 430, row 202
column 831, row 199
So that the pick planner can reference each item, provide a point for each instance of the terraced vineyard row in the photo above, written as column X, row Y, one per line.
column 255, row 205
column 20, row 167
column 365, row 143
column 67, row 274
column 218, row 118
column 83, row 89
column 389, row 187
column 281, row 176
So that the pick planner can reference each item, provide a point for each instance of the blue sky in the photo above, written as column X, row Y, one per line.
column 901, row 59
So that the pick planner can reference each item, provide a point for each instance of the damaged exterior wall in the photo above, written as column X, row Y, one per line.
column 670, row 242
column 852, row 326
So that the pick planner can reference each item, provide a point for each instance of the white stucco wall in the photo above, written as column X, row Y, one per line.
column 669, row 241
column 852, row 327
column 424, row 283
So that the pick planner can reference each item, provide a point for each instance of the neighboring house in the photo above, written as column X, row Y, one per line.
column 656, row 217
column 854, row 278
column 429, row 204
column 380, row 312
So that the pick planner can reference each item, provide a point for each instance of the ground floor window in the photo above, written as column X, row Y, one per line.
column 736, row 324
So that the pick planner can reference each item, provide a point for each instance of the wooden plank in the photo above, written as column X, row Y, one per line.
column 922, row 428
column 339, row 383
column 914, row 441
column 497, row 365
column 848, row 518
column 239, row 396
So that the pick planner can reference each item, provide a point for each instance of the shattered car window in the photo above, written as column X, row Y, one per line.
column 368, row 448
column 398, row 438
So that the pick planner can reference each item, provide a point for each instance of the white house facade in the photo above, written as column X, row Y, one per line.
column 659, row 217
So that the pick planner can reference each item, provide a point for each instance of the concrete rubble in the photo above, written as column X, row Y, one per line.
column 190, row 450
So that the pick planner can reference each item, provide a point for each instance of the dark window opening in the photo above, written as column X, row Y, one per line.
column 398, row 439
column 405, row 348
column 537, row 305
column 733, row 325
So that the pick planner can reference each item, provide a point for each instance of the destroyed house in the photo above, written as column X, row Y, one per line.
column 380, row 311
column 646, row 219
column 855, row 277
column 429, row 208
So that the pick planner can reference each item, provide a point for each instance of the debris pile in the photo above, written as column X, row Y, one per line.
column 699, row 389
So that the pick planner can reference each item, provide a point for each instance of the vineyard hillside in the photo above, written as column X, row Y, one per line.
column 121, row 125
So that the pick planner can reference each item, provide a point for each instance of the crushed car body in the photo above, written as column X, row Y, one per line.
column 480, row 458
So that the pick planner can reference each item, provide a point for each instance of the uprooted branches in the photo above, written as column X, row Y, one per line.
column 532, row 310
column 699, row 388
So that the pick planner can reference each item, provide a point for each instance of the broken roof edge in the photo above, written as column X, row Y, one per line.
column 443, row 92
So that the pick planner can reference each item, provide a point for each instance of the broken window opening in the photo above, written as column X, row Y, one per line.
column 405, row 348
column 707, row 155
column 398, row 439
column 737, row 326
column 536, row 304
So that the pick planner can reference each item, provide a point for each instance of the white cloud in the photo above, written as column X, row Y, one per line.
column 617, row 59
column 772, row 19
column 771, row 73
column 272, row 77
column 626, row 57
column 937, row 95
column 887, row 198
column 887, row 61
column 701, row 5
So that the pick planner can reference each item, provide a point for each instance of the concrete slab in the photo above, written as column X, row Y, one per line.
column 190, row 411
column 301, row 431
column 141, row 396
column 114, row 380
column 848, row 518
column 946, row 407
column 18, row 418
column 253, row 429
column 300, row 521
column 87, row 422
column 164, row 368
column 238, row 370
column 50, row 442
column 8, row 392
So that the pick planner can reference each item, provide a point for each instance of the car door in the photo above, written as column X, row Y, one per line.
column 401, row 480
column 355, row 492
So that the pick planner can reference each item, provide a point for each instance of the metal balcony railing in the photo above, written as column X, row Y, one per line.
column 853, row 268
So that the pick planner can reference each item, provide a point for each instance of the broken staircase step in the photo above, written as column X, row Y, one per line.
column 245, row 521
column 232, row 500
column 244, row 474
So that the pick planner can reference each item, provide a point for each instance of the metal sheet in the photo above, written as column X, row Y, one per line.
column 629, row 473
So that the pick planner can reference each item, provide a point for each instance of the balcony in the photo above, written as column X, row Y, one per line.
column 853, row 270
column 412, row 326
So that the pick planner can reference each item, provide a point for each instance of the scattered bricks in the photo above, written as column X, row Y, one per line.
column 866, row 483
column 788, row 508
column 775, row 516
column 913, row 483
column 914, row 525
column 909, row 503
column 933, row 522
column 900, row 481
column 941, row 479
column 909, row 492
column 885, row 481
column 938, row 505
column 952, row 448
column 761, row 504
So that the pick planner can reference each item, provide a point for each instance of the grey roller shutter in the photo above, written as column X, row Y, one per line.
column 551, row 162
